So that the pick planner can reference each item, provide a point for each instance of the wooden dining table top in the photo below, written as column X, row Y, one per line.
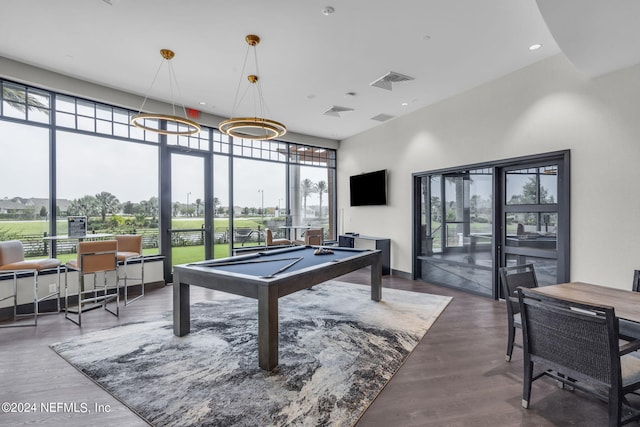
column 625, row 302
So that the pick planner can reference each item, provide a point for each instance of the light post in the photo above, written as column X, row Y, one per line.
column 187, row 210
column 262, row 206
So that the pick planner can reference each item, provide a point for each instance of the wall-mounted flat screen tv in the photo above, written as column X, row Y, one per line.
column 369, row 189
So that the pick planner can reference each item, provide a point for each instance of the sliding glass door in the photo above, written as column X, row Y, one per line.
column 470, row 221
column 532, row 209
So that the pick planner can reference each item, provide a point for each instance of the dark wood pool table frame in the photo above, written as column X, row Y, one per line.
column 267, row 290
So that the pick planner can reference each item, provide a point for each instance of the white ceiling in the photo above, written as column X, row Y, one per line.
column 308, row 61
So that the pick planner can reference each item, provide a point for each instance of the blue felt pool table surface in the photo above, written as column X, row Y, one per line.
column 266, row 263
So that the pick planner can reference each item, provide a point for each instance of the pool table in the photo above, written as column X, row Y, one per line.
column 267, row 276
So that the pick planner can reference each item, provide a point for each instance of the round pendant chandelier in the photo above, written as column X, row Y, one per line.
column 257, row 127
column 176, row 125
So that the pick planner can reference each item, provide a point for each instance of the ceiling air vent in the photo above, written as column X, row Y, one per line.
column 382, row 117
column 336, row 110
column 385, row 81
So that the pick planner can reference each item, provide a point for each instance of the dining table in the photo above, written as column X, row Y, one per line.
column 625, row 302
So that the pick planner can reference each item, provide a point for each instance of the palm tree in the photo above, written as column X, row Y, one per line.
column 321, row 187
column 17, row 97
column 85, row 206
column 216, row 203
column 306, row 188
column 198, row 203
column 152, row 208
column 107, row 204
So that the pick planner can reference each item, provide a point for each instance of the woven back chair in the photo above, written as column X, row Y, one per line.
column 631, row 330
column 577, row 344
column 511, row 279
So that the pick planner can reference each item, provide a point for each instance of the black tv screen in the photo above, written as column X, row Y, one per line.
column 369, row 189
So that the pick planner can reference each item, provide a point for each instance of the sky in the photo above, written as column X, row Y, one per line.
column 129, row 170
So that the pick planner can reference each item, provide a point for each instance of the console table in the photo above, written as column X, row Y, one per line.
column 368, row 242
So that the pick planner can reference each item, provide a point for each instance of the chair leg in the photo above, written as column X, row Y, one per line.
column 66, row 298
column 106, row 297
column 510, row 341
column 615, row 407
column 14, row 296
column 526, row 384
column 127, row 300
column 16, row 316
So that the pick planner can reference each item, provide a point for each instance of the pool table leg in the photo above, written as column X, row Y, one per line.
column 268, row 327
column 376, row 279
column 181, row 308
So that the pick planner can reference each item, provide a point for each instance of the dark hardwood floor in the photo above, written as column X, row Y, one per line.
column 457, row 376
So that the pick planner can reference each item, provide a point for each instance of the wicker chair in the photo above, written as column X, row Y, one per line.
column 578, row 345
column 631, row 330
column 512, row 278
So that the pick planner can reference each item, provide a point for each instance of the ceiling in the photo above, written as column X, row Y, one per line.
column 308, row 61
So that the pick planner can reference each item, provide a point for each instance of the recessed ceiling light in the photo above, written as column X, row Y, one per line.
column 404, row 104
column 535, row 46
column 328, row 11
column 203, row 103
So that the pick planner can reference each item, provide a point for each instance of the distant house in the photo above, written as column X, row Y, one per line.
column 20, row 208
column 11, row 207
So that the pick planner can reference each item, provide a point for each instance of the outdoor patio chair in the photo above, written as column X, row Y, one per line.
column 243, row 234
column 13, row 264
column 578, row 345
column 93, row 258
column 631, row 330
column 511, row 278
column 312, row 236
column 130, row 250
column 275, row 242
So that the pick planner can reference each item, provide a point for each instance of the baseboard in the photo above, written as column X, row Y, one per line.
column 401, row 274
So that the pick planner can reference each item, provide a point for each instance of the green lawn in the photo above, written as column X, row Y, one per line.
column 41, row 227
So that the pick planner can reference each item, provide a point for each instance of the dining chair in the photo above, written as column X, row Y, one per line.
column 93, row 257
column 275, row 242
column 631, row 330
column 578, row 345
column 511, row 278
column 130, row 250
column 14, row 265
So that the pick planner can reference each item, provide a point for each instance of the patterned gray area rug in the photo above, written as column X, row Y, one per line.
column 338, row 349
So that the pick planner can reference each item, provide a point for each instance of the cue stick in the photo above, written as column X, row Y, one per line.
column 249, row 261
column 284, row 268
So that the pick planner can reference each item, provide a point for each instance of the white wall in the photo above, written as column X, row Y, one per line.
column 545, row 107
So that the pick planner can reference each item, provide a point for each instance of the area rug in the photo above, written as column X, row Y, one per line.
column 338, row 349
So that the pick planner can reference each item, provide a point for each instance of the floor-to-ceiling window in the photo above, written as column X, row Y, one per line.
column 25, row 211
column 470, row 221
column 65, row 155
